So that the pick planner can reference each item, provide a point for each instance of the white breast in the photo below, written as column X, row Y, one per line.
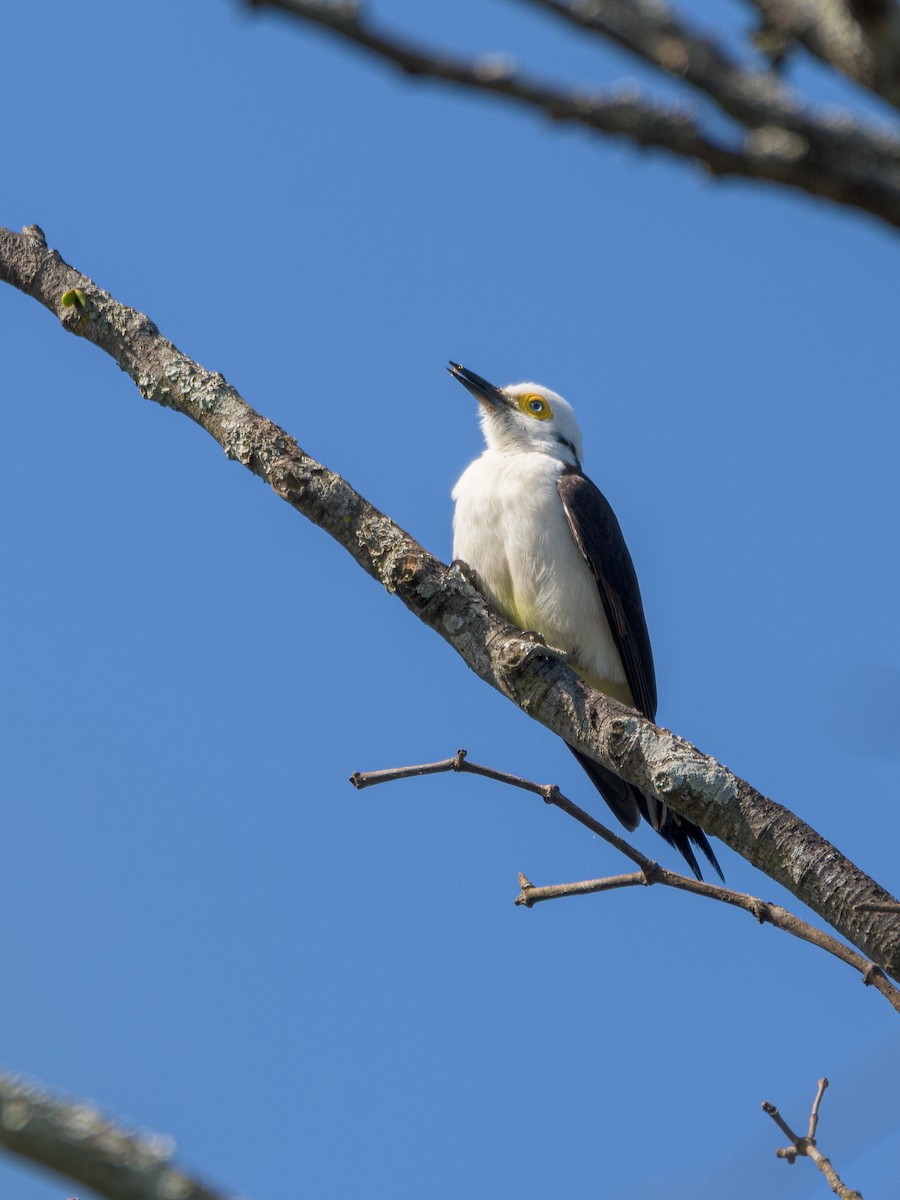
column 510, row 528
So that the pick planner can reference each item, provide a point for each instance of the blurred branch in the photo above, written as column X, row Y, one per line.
column 653, row 33
column 783, row 141
column 653, row 759
column 75, row 1140
column 649, row 872
column 805, row 1147
column 859, row 38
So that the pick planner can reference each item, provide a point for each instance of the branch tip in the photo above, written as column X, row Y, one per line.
column 814, row 1111
column 526, row 887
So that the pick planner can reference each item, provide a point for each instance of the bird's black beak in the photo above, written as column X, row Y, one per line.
column 485, row 393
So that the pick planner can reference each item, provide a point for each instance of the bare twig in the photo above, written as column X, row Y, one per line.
column 805, row 1147
column 814, row 1111
column 75, row 1140
column 658, row 762
column 549, row 792
column 835, row 157
column 649, row 871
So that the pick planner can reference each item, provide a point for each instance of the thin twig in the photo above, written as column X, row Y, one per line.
column 805, row 1147
column 779, row 1120
column 549, row 792
column 814, row 1111
column 649, row 871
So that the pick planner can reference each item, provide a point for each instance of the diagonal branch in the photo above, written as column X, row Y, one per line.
column 859, row 38
column 835, row 158
column 649, row 872
column 653, row 33
column 653, row 759
column 757, row 99
column 75, row 1140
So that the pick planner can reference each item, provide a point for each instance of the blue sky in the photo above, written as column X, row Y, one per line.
column 317, row 991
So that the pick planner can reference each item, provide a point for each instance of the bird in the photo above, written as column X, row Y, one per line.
column 540, row 541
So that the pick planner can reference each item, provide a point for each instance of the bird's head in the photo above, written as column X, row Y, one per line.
column 524, row 416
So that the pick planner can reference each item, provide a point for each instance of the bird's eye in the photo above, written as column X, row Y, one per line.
column 535, row 406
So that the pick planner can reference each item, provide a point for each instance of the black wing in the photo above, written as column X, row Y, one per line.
column 596, row 530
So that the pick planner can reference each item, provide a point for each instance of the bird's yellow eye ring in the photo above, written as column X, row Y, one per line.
column 535, row 406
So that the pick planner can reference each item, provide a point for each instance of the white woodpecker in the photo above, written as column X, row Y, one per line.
column 545, row 548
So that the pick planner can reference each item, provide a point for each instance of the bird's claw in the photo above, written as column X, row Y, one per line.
column 463, row 571
column 540, row 649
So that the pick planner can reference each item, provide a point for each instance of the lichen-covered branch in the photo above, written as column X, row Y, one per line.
column 653, row 759
column 782, row 140
column 74, row 1139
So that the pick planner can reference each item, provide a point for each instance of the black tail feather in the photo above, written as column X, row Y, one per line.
column 629, row 804
column 625, row 801
column 680, row 833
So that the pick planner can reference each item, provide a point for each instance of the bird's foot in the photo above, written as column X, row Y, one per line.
column 540, row 649
column 463, row 571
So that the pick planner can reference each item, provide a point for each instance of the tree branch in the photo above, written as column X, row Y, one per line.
column 649, row 872
column 653, row 759
column 77, row 1141
column 859, row 38
column 834, row 157
column 805, row 1147
column 653, row 33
